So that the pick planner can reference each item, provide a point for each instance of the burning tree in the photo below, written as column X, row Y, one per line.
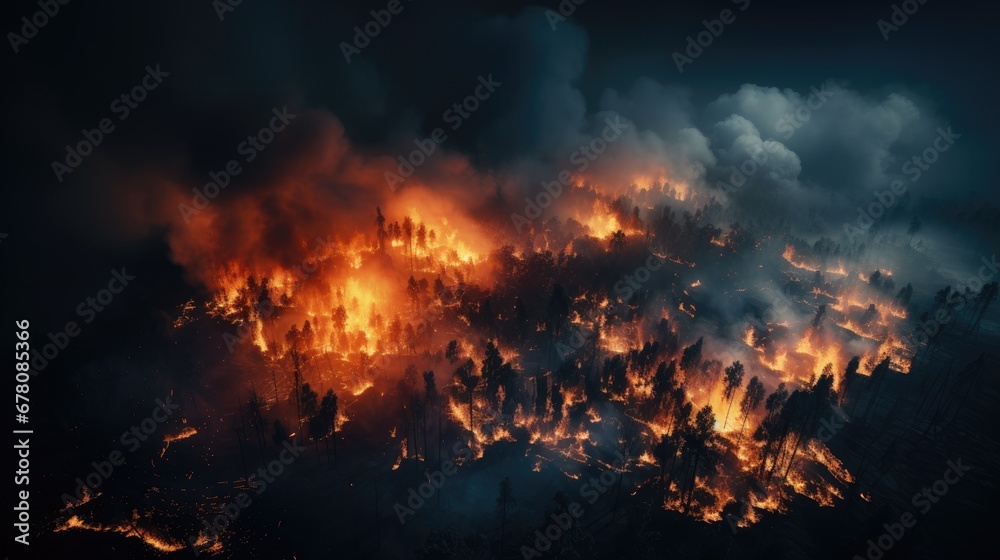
column 469, row 382
column 752, row 397
column 553, row 306
column 691, row 357
column 734, row 378
column 769, row 429
column 699, row 440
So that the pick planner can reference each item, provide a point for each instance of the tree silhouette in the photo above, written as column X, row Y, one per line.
column 752, row 397
column 870, row 314
column 817, row 403
column 469, row 381
column 681, row 410
column 339, row 317
column 541, row 394
column 412, row 405
column 615, row 374
column 408, row 237
column 380, row 229
column 850, row 376
column 556, row 397
column 296, row 394
column 309, row 401
column 876, row 379
column 905, row 294
column 664, row 382
column 819, row 316
column 733, row 380
column 691, row 358
column 413, row 290
column 317, row 429
column 617, row 242
column 986, row 297
column 328, row 411
column 418, row 414
column 308, row 336
column 697, row 439
column 558, row 310
column 452, row 352
column 520, row 323
column 665, row 453
column 629, row 442
column 421, row 236
column 439, row 290
column 491, row 371
column 767, row 431
column 410, row 338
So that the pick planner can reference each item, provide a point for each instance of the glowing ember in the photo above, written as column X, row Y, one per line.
column 183, row 434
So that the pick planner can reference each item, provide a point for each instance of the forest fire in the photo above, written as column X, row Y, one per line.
column 410, row 290
column 503, row 280
column 517, row 349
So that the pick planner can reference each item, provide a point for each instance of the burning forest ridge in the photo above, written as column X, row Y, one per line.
column 636, row 317
column 708, row 366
